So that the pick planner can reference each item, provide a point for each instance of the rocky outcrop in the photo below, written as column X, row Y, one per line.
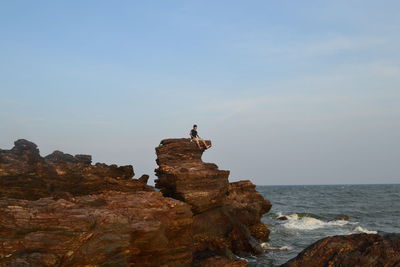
column 24, row 174
column 61, row 210
column 357, row 250
column 183, row 175
column 226, row 216
column 248, row 206
column 108, row 229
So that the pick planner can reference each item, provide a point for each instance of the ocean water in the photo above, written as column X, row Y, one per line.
column 312, row 212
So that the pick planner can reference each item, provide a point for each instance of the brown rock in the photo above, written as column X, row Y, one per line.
column 218, row 261
column 357, row 250
column 226, row 217
column 61, row 210
column 248, row 206
column 282, row 218
column 24, row 174
column 183, row 175
column 342, row 217
column 144, row 178
column 108, row 229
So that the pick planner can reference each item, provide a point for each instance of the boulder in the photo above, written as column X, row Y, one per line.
column 356, row 250
column 282, row 218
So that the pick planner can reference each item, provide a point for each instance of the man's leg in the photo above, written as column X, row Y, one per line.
column 197, row 142
column 204, row 142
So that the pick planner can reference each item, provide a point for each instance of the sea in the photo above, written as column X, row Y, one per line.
column 317, row 211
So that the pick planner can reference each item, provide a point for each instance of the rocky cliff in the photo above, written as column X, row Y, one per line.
column 227, row 217
column 60, row 210
column 357, row 250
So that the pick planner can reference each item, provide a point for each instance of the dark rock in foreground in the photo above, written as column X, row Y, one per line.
column 357, row 250
column 108, row 229
column 62, row 211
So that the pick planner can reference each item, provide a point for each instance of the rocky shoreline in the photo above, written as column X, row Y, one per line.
column 61, row 210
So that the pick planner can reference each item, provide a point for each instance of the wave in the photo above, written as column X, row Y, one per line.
column 304, row 222
column 299, row 214
column 363, row 230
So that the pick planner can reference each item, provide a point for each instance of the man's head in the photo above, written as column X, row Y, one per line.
column 195, row 126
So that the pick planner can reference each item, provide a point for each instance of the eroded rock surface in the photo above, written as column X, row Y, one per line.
column 108, row 229
column 248, row 206
column 60, row 210
column 24, row 174
column 357, row 250
column 183, row 175
column 226, row 216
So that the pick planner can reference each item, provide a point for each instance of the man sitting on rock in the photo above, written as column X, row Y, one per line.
column 195, row 136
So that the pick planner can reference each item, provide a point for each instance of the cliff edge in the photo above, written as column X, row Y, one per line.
column 226, row 216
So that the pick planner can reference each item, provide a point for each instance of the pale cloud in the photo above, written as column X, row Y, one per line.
column 346, row 89
column 313, row 47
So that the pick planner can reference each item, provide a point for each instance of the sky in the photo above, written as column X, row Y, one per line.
column 289, row 92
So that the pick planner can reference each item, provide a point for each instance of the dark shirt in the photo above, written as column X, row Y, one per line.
column 193, row 133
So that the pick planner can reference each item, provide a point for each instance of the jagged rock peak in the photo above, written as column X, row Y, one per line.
column 24, row 174
column 23, row 144
column 58, row 156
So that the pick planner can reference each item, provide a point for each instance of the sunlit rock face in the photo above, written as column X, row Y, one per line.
column 227, row 217
column 60, row 210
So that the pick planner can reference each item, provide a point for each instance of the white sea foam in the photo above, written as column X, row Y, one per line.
column 266, row 245
column 309, row 223
column 363, row 230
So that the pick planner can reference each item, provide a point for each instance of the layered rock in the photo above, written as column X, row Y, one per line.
column 61, row 210
column 24, row 174
column 183, row 175
column 108, row 229
column 357, row 250
column 248, row 206
column 226, row 216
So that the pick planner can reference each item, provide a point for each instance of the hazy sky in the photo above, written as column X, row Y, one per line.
column 290, row 92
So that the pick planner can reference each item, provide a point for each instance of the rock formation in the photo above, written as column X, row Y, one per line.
column 24, row 174
column 356, row 250
column 226, row 216
column 248, row 206
column 60, row 210
column 107, row 229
